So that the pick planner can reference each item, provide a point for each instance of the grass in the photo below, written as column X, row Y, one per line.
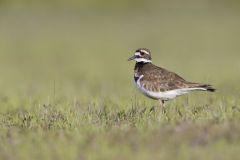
column 67, row 92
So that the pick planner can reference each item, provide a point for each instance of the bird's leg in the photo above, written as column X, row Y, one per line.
column 162, row 106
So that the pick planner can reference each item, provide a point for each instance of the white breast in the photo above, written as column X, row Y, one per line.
column 167, row 95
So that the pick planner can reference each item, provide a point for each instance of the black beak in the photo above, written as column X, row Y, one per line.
column 132, row 58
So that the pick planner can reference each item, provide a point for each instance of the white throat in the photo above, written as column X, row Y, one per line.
column 142, row 60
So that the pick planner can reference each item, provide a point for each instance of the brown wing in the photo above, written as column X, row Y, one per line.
column 159, row 79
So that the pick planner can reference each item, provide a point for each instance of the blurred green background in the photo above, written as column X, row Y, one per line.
column 74, row 53
column 78, row 43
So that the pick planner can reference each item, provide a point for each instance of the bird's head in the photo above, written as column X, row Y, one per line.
column 142, row 55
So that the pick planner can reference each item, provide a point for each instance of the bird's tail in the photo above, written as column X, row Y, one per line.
column 203, row 87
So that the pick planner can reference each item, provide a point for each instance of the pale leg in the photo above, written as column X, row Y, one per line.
column 162, row 106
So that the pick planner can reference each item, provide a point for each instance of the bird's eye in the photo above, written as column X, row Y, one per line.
column 141, row 53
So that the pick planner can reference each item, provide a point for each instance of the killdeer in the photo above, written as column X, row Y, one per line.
column 158, row 83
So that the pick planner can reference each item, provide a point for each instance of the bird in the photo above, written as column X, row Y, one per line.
column 159, row 83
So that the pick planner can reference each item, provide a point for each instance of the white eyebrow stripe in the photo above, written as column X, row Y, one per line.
column 145, row 51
